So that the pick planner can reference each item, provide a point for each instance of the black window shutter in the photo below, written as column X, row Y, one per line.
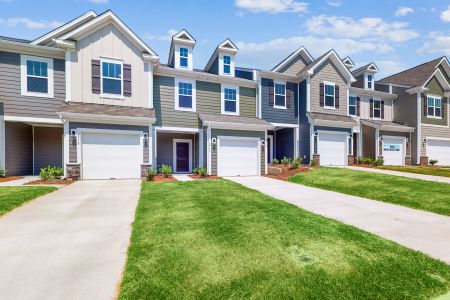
column 95, row 66
column 271, row 93
column 382, row 109
column 322, row 100
column 425, row 105
column 336, row 96
column 371, row 108
column 358, row 105
column 127, row 80
column 289, row 94
column 444, row 107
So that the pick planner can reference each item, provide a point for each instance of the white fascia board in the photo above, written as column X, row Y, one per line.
column 302, row 51
column 237, row 126
column 286, row 125
column 441, row 78
column 106, row 119
column 32, row 120
column 176, row 129
column 65, row 44
column 337, row 61
column 417, row 89
column 29, row 49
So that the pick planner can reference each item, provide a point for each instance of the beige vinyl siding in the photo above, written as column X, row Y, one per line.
column 328, row 72
column 365, row 108
column 368, row 141
column 434, row 88
column 224, row 132
column 294, row 67
column 108, row 42
column 14, row 104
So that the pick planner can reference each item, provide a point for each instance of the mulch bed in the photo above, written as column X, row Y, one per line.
column 53, row 181
column 197, row 177
column 10, row 178
column 287, row 172
column 160, row 178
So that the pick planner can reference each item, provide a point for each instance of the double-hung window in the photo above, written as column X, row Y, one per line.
column 377, row 109
column 369, row 81
column 230, row 100
column 185, row 95
column 227, row 64
column 434, row 107
column 329, row 95
column 352, row 109
column 280, row 95
column 184, row 57
column 37, row 76
column 112, row 77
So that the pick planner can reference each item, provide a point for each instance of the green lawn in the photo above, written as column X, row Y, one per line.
column 219, row 240
column 419, row 194
column 436, row 171
column 12, row 197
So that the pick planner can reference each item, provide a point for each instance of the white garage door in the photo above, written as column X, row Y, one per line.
column 439, row 150
column 332, row 148
column 393, row 151
column 111, row 155
column 237, row 157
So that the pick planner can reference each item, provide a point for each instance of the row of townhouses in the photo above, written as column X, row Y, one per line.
column 93, row 98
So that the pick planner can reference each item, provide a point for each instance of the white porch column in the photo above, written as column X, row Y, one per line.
column 377, row 143
column 68, row 59
column 296, row 141
column 150, row 145
column 66, row 147
column 155, row 149
column 149, row 71
column 2, row 143
column 265, row 153
column 200, row 148
column 208, row 163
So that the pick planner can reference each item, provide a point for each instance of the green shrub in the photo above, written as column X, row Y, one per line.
column 433, row 162
column 49, row 173
column 286, row 161
column 151, row 173
column 202, row 172
column 378, row 162
column 275, row 161
column 295, row 164
column 2, row 173
column 298, row 159
column 165, row 170
column 359, row 160
column 314, row 162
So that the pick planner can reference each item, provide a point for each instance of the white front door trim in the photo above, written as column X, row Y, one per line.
column 270, row 138
column 174, row 157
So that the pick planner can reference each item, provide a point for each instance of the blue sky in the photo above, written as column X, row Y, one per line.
column 395, row 34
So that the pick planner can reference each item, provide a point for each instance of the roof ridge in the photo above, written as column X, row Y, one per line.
column 409, row 69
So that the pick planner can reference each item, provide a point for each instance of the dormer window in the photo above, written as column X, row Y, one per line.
column 369, row 82
column 226, row 64
column 184, row 57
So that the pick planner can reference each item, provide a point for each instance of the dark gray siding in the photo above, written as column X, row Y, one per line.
column 275, row 115
column 304, row 126
column 18, row 148
column 165, row 148
column 215, row 66
column 48, row 147
column 382, row 87
column 368, row 141
column 359, row 83
column 284, row 143
column 245, row 74
column 10, row 89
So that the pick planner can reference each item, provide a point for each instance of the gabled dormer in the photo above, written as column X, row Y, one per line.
column 222, row 62
column 294, row 63
column 181, row 48
column 365, row 76
column 348, row 62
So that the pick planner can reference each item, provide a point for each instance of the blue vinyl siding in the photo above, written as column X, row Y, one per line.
column 275, row 115
column 304, row 126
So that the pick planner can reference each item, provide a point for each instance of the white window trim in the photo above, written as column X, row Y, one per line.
column 175, row 141
column 223, row 100
column 434, row 107
column 356, row 106
column 194, row 92
column 275, row 95
column 325, row 83
column 373, row 109
column 23, row 76
column 106, row 95
column 177, row 57
column 366, row 81
column 221, row 65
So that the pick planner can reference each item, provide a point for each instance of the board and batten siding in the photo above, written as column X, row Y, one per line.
column 277, row 115
column 14, row 104
column 239, row 133
column 328, row 72
column 110, row 43
column 208, row 100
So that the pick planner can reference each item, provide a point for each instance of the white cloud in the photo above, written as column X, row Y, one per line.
column 445, row 15
column 99, row 1
column 403, row 11
column 334, row 2
column 165, row 37
column 31, row 24
column 437, row 43
column 374, row 29
column 272, row 6
column 389, row 67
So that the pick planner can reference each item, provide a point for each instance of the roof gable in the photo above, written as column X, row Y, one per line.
column 181, row 37
column 370, row 67
column 226, row 46
column 348, row 62
column 294, row 56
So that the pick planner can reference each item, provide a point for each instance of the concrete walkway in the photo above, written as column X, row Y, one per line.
column 182, row 177
column 70, row 244
column 418, row 230
column 19, row 182
column 401, row 174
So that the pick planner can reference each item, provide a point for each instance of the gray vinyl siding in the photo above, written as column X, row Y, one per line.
column 245, row 74
column 368, row 141
column 208, row 100
column 18, row 148
column 275, row 115
column 215, row 66
column 294, row 66
column 165, row 148
column 224, row 132
column 359, row 83
column 328, row 72
column 10, row 89
column 382, row 87
column 446, row 75
column 304, row 126
column 48, row 147
column 435, row 88
column 284, row 143
column 78, row 125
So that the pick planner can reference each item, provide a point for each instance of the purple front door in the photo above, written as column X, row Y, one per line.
column 182, row 157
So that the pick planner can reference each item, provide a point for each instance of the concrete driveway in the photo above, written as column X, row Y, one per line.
column 70, row 244
column 415, row 229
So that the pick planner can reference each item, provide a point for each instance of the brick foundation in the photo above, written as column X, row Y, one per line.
column 144, row 169
column 351, row 160
column 408, row 160
column 316, row 157
column 73, row 171
column 424, row 161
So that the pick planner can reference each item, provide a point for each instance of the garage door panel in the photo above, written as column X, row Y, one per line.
column 393, row 151
column 439, row 150
column 332, row 149
column 237, row 157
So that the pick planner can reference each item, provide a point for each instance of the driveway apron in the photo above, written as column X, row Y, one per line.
column 70, row 244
